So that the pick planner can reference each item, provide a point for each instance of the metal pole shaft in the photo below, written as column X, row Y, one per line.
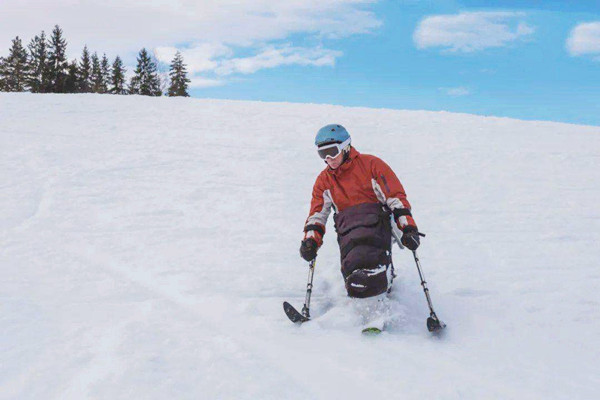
column 309, row 285
column 420, row 270
column 423, row 283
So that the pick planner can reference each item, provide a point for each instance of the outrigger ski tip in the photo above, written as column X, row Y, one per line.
column 434, row 324
column 294, row 315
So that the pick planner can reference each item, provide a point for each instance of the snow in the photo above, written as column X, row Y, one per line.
column 147, row 245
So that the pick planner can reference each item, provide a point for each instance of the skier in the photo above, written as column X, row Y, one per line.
column 363, row 192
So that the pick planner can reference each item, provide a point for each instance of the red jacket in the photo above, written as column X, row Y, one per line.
column 361, row 179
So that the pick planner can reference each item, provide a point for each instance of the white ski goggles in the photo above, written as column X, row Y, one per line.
column 332, row 150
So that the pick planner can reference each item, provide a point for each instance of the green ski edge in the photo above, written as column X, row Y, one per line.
column 371, row 331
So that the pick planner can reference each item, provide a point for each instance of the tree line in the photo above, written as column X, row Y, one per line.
column 42, row 67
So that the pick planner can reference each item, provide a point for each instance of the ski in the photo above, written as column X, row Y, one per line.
column 371, row 331
column 294, row 315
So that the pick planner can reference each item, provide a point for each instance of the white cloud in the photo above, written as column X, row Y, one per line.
column 471, row 31
column 456, row 91
column 218, row 59
column 584, row 39
column 197, row 82
column 273, row 57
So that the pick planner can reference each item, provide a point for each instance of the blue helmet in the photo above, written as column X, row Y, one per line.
column 333, row 133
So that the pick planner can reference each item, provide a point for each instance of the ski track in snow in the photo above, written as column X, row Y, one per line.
column 147, row 246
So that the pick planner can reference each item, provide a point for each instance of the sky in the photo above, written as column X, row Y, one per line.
column 535, row 60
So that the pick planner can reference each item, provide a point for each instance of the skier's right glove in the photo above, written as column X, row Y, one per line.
column 308, row 249
column 410, row 238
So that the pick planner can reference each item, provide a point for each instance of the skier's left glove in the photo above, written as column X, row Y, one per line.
column 308, row 249
column 410, row 238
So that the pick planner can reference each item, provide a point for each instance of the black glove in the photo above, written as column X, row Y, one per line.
column 308, row 249
column 410, row 238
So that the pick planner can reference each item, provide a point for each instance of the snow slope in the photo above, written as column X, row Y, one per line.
column 146, row 246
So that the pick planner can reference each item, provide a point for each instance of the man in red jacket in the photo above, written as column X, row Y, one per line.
column 363, row 192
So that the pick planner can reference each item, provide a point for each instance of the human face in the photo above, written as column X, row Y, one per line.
column 336, row 161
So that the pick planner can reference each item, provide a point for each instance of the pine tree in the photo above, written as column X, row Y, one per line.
column 118, row 77
column 179, row 79
column 39, row 76
column 57, row 61
column 15, row 69
column 145, row 81
column 105, row 74
column 96, row 76
column 2, row 74
column 85, row 72
column 72, row 80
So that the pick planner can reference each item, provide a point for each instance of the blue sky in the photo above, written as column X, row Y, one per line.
column 523, row 59
column 531, row 78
